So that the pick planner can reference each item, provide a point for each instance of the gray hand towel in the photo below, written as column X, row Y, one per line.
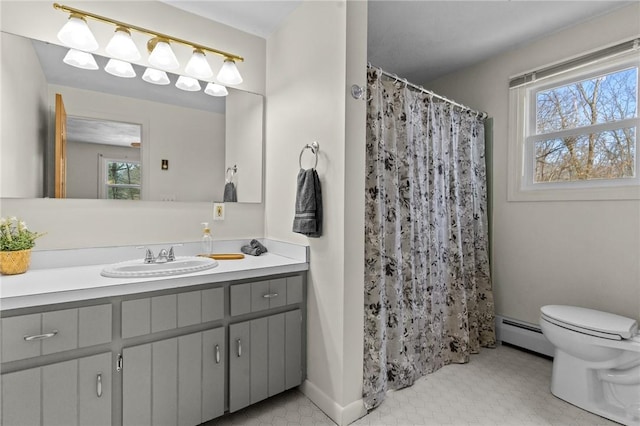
column 308, row 217
column 230, row 193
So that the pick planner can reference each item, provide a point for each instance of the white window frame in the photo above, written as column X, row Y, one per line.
column 521, row 149
column 103, row 185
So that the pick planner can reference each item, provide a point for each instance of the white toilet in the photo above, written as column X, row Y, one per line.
column 597, row 361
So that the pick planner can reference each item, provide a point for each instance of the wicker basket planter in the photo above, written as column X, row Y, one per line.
column 14, row 262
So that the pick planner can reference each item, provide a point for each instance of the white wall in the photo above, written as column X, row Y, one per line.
column 24, row 114
column 96, row 223
column 307, row 101
column 578, row 252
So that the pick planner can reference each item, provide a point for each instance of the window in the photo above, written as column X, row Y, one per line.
column 575, row 134
column 121, row 179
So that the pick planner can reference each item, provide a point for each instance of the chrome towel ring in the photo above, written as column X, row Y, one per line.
column 314, row 147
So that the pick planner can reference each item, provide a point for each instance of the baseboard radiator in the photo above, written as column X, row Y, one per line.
column 523, row 335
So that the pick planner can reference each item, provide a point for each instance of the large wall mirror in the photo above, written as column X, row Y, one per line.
column 125, row 138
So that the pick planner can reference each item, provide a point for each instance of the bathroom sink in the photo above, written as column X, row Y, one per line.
column 138, row 269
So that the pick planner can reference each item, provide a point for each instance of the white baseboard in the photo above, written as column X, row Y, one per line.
column 522, row 334
column 339, row 414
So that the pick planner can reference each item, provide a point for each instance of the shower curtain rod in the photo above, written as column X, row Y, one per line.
column 481, row 114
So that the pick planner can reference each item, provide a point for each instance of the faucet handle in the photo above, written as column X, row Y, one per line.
column 172, row 256
column 148, row 257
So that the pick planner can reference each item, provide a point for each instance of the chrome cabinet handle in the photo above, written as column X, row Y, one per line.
column 217, row 354
column 99, row 385
column 40, row 336
column 270, row 295
column 239, row 346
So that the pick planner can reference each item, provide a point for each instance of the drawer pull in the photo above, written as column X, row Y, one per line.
column 270, row 295
column 239, row 346
column 40, row 336
column 99, row 385
column 217, row 354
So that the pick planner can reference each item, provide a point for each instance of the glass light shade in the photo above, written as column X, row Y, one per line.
column 77, row 35
column 163, row 57
column 154, row 76
column 229, row 73
column 120, row 68
column 198, row 67
column 79, row 59
column 214, row 89
column 187, row 83
column 121, row 46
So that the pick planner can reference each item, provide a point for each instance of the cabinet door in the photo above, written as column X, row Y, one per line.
column 75, row 392
column 94, row 390
column 239, row 365
column 213, row 373
column 177, row 381
column 265, row 358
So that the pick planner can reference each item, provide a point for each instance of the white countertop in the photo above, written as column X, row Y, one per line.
column 73, row 283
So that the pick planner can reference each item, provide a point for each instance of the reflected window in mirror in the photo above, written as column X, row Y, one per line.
column 120, row 179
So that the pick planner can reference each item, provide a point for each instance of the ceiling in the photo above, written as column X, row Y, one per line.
column 424, row 40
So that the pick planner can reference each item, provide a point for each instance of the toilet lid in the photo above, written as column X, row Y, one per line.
column 590, row 321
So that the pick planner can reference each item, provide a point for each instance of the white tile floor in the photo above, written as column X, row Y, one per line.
column 502, row 386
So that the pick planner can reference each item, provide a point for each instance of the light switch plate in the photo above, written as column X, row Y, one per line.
column 218, row 211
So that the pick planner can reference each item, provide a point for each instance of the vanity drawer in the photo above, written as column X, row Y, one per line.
column 261, row 295
column 171, row 311
column 27, row 336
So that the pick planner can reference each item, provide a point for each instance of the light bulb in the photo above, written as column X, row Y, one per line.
column 187, row 83
column 121, row 46
column 229, row 73
column 77, row 35
column 155, row 76
column 214, row 89
column 79, row 59
column 161, row 55
column 120, row 68
column 198, row 67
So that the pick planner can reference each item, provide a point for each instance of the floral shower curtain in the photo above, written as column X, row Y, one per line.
column 428, row 295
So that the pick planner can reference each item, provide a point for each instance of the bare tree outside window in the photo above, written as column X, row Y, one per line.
column 123, row 180
column 581, row 133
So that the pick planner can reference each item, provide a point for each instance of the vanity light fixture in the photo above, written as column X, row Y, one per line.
column 214, row 89
column 120, row 68
column 229, row 73
column 154, row 76
column 198, row 67
column 77, row 35
column 121, row 46
column 189, row 84
column 161, row 56
column 80, row 59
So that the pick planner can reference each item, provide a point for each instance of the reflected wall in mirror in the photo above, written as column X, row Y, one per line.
column 198, row 135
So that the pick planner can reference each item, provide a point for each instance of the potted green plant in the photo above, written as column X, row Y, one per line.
column 16, row 242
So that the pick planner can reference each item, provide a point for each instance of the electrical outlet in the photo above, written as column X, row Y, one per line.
column 218, row 211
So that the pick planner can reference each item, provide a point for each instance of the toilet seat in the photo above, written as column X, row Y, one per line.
column 590, row 321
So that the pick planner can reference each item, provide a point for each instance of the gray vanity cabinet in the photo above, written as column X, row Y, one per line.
column 176, row 381
column 265, row 357
column 75, row 392
column 180, row 356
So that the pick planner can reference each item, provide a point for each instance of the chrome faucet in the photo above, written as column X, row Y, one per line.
column 164, row 256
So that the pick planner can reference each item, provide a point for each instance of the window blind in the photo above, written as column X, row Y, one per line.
column 551, row 70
